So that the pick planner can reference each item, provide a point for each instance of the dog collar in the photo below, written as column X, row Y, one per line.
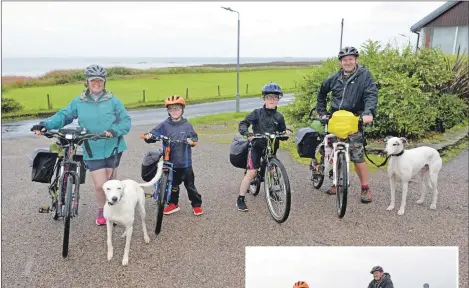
column 398, row 154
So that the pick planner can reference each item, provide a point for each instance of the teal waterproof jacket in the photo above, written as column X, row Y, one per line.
column 105, row 114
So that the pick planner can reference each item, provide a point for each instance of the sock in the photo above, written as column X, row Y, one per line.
column 241, row 197
column 365, row 187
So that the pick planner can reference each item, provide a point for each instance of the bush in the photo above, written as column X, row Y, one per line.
column 413, row 90
column 11, row 105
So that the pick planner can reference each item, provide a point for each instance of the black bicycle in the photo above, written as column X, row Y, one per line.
column 166, row 180
column 68, row 175
column 336, row 165
column 272, row 170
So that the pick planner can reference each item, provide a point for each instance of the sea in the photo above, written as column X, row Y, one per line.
column 35, row 67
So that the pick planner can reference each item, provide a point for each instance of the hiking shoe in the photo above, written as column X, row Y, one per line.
column 171, row 209
column 332, row 190
column 241, row 204
column 198, row 211
column 365, row 196
column 100, row 220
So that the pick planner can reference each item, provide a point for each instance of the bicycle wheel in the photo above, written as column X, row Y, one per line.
column 342, row 187
column 67, row 215
column 317, row 176
column 255, row 185
column 275, row 182
column 163, row 187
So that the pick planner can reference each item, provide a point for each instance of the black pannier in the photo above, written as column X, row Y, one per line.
column 307, row 140
column 239, row 152
column 42, row 162
column 79, row 157
column 150, row 164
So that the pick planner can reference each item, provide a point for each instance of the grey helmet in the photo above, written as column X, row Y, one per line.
column 376, row 268
column 426, row 285
column 348, row 51
column 95, row 72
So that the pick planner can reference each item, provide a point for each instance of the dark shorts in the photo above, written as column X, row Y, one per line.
column 254, row 159
column 357, row 155
column 93, row 165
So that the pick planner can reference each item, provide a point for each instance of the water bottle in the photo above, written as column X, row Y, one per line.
column 327, row 150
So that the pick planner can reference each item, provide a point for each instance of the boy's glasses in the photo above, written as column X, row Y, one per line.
column 174, row 109
column 272, row 97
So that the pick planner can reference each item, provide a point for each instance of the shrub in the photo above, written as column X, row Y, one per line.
column 10, row 105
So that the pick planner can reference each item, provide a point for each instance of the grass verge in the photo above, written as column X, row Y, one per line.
column 153, row 89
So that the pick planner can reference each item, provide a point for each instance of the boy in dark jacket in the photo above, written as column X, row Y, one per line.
column 381, row 279
column 177, row 128
column 265, row 119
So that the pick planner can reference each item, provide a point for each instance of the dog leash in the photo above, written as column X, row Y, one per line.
column 114, row 151
column 366, row 154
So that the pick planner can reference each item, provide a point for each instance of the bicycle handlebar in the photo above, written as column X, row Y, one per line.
column 268, row 135
column 74, row 135
column 165, row 139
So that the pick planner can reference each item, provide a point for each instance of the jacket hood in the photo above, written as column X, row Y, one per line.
column 85, row 96
column 176, row 123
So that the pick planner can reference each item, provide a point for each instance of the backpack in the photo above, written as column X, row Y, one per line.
column 149, row 164
column 307, row 140
column 239, row 152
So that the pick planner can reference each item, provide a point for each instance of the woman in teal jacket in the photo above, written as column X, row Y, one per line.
column 99, row 112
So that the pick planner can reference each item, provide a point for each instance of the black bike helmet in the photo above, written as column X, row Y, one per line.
column 348, row 51
column 426, row 285
column 272, row 88
column 95, row 72
column 376, row 268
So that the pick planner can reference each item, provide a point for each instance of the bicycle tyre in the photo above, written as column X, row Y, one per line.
column 256, row 186
column 286, row 183
column 342, row 187
column 67, row 215
column 319, row 177
column 163, row 186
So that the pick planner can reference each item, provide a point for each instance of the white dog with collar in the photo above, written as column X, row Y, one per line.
column 404, row 164
column 121, row 199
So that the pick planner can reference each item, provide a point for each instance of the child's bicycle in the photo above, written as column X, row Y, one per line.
column 166, row 180
column 65, row 186
column 274, row 175
column 338, row 160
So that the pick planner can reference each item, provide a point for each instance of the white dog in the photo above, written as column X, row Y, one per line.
column 121, row 199
column 404, row 164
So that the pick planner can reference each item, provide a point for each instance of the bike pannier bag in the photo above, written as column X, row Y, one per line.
column 239, row 152
column 150, row 164
column 307, row 140
column 42, row 162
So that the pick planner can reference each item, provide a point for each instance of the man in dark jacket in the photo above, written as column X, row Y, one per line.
column 354, row 90
column 381, row 279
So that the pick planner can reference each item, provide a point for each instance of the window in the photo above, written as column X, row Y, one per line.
column 443, row 37
column 462, row 40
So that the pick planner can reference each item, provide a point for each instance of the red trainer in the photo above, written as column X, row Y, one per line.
column 198, row 211
column 171, row 209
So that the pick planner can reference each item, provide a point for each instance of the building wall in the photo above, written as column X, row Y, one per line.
column 458, row 15
column 449, row 31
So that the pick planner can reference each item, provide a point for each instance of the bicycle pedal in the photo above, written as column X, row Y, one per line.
column 44, row 209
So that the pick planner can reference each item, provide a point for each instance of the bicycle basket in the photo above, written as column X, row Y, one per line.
column 342, row 124
column 149, row 164
column 42, row 162
column 239, row 152
column 307, row 140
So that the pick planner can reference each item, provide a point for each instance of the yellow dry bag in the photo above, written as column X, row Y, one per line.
column 342, row 124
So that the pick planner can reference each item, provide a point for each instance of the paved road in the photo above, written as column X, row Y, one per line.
column 208, row 251
column 17, row 129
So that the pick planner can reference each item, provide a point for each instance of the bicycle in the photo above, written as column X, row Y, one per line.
column 269, row 169
column 166, row 179
column 61, row 189
column 339, row 160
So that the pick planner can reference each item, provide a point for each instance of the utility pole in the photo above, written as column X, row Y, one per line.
column 341, row 33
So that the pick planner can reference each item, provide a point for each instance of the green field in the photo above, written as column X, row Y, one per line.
column 200, row 86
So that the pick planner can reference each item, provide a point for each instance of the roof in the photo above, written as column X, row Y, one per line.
column 432, row 16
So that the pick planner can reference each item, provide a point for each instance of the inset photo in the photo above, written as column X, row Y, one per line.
column 352, row 267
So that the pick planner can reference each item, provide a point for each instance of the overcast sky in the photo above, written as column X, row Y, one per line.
column 201, row 29
column 339, row 267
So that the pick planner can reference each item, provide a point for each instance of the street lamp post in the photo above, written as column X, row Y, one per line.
column 237, row 65
column 408, row 38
